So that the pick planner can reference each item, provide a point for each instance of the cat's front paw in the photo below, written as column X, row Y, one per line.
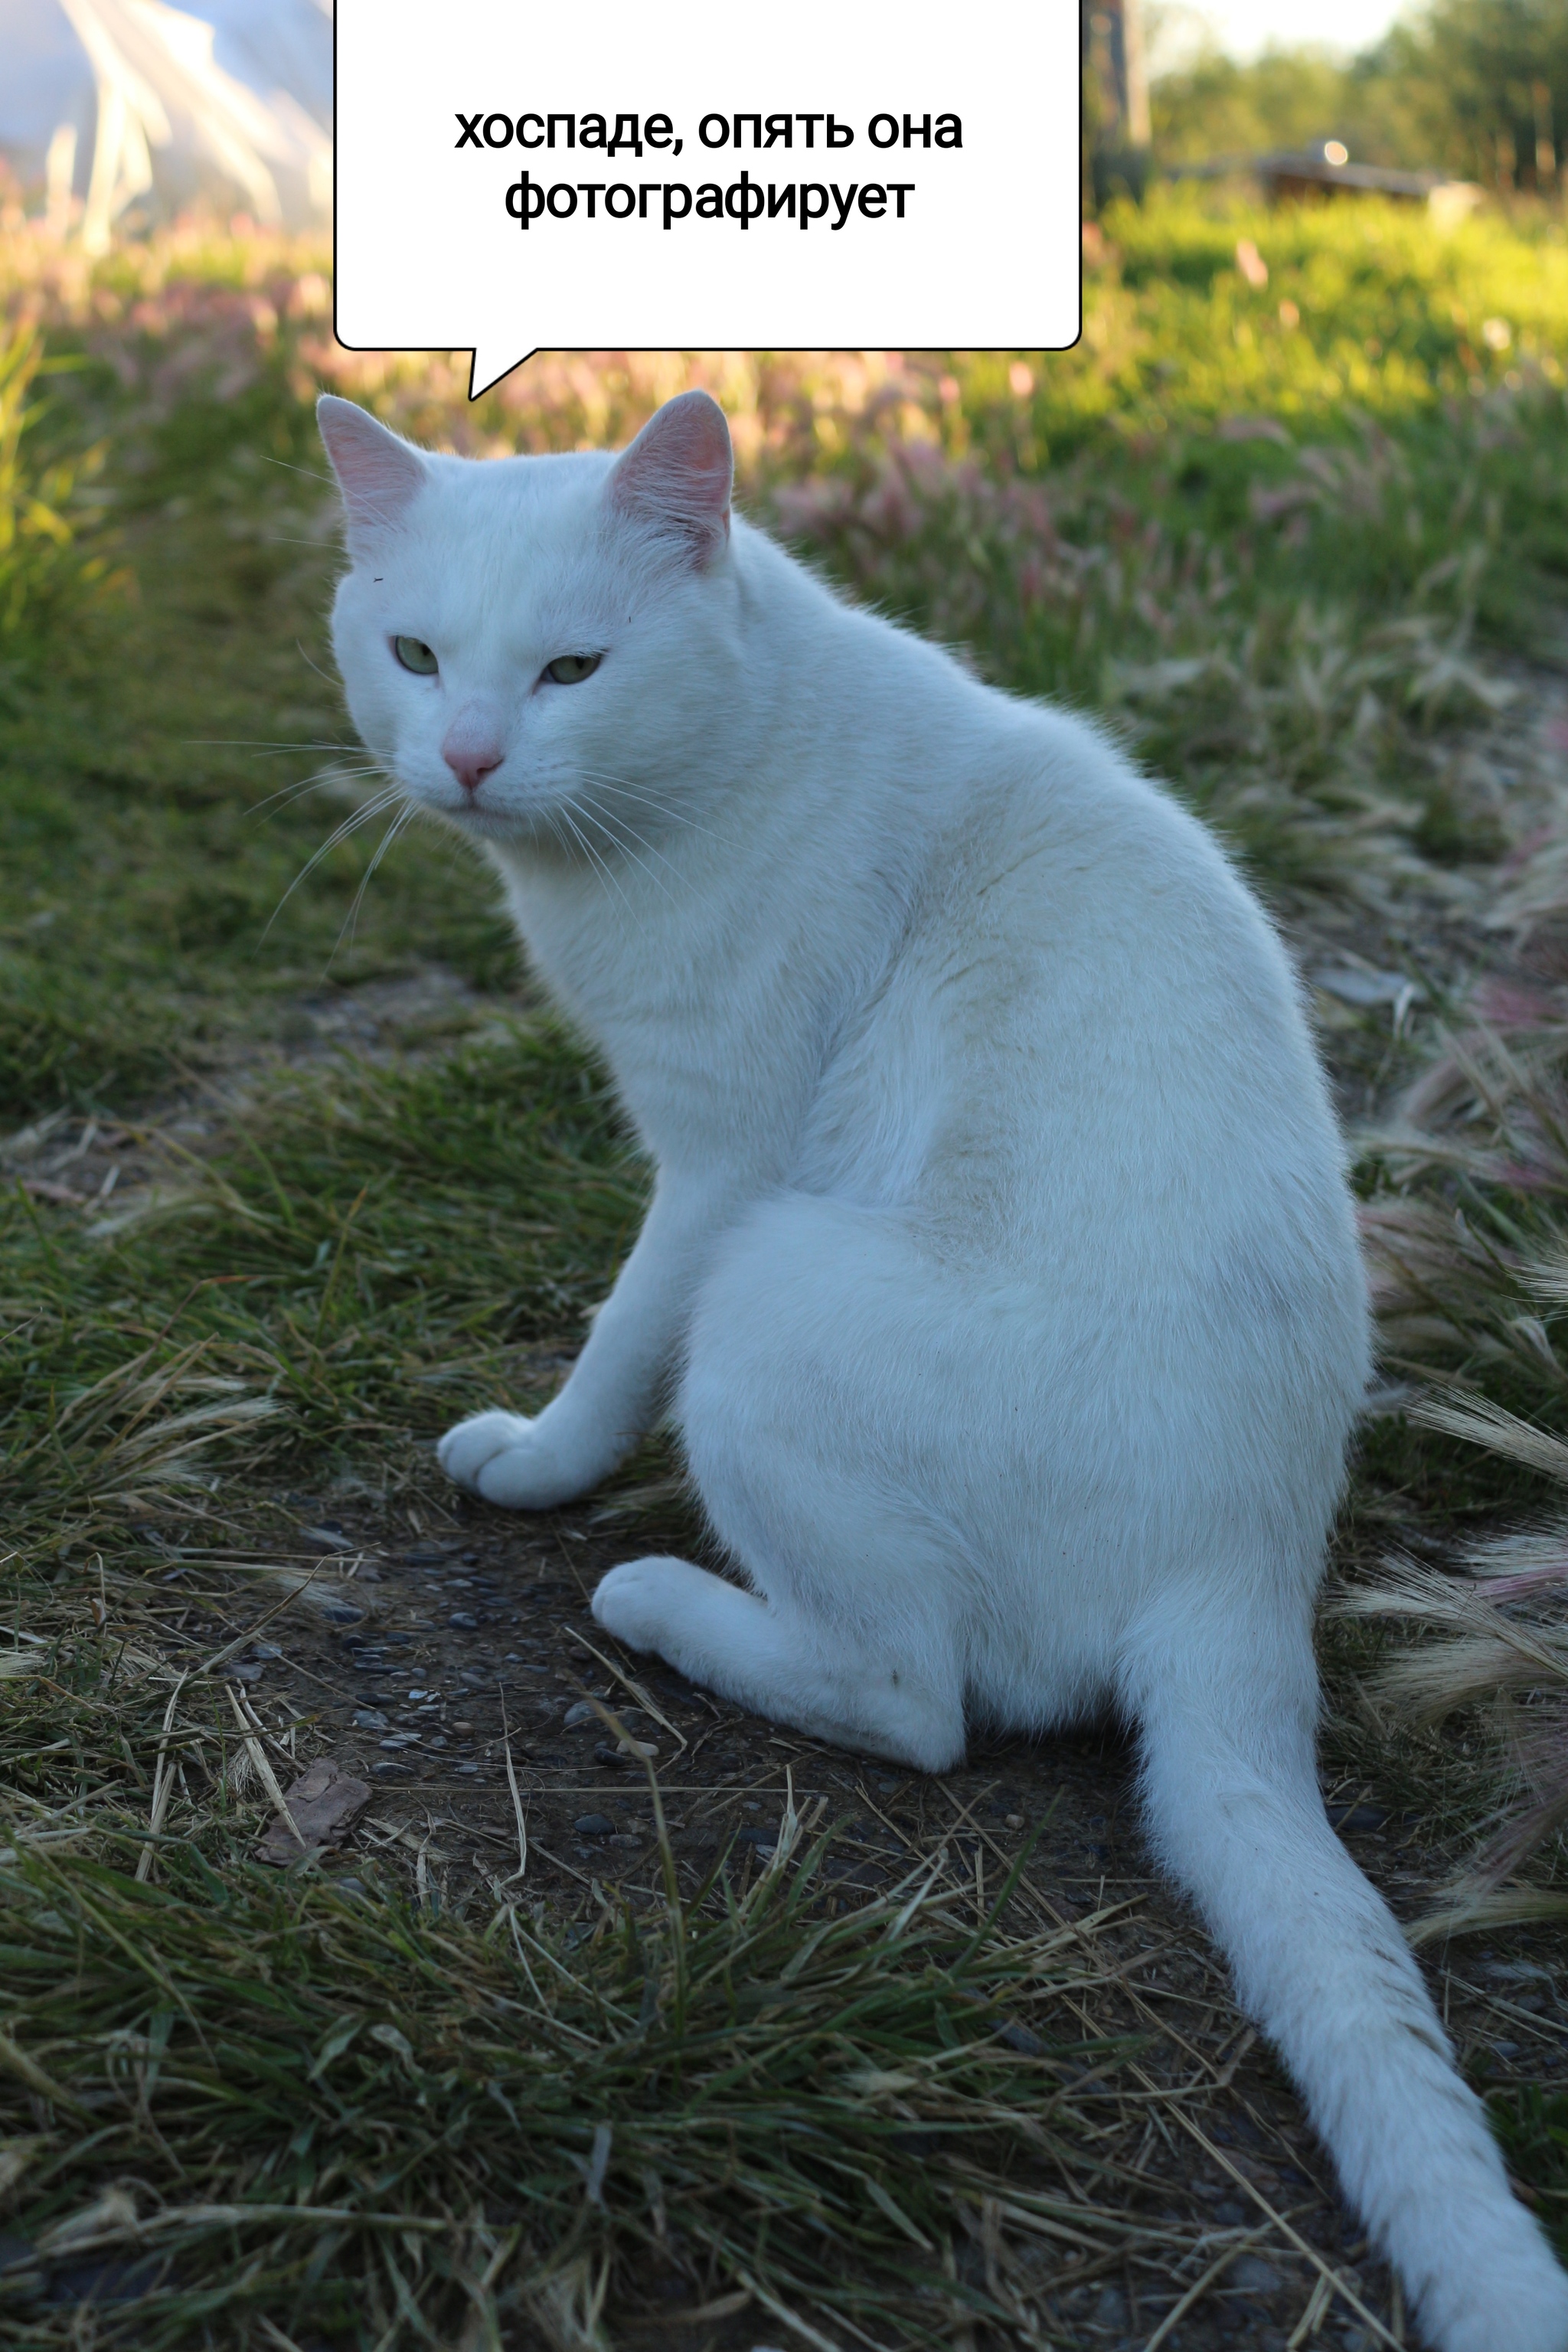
column 509, row 1462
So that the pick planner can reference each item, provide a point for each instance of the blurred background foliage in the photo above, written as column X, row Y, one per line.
column 1475, row 88
column 1278, row 516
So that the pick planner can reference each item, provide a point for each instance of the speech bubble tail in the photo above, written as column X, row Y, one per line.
column 491, row 365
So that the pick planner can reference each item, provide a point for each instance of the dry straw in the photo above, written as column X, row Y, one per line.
column 462, row 2125
column 1493, row 1639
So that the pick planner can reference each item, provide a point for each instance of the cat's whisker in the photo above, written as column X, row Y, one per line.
column 314, row 664
column 597, row 859
column 671, row 809
column 592, row 817
column 264, row 744
column 318, row 781
column 569, row 848
column 280, row 803
column 403, row 818
column 310, row 473
column 350, row 824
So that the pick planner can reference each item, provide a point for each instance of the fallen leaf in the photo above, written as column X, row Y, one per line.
column 324, row 1802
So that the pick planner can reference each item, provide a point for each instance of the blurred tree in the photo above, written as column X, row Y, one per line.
column 1116, row 96
column 1214, row 107
column 1486, row 82
column 1478, row 88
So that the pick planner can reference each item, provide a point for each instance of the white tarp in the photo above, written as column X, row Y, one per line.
column 115, row 100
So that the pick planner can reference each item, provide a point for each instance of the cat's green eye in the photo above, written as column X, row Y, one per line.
column 416, row 656
column 571, row 669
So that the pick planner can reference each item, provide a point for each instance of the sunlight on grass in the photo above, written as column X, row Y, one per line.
column 1290, row 531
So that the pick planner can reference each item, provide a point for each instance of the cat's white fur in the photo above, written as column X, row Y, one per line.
column 1001, row 1264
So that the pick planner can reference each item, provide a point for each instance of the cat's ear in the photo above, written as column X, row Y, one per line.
column 676, row 478
column 378, row 474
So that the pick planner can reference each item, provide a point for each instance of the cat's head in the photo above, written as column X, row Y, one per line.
column 529, row 644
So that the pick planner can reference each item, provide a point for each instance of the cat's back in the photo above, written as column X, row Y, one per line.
column 1051, row 890
column 1088, row 1020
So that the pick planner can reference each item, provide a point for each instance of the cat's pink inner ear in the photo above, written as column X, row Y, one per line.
column 679, row 473
column 378, row 474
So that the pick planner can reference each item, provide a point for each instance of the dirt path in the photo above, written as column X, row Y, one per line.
column 431, row 1640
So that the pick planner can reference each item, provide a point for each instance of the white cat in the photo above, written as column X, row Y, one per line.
column 1001, row 1265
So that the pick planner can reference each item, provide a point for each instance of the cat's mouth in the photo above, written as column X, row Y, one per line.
column 491, row 812
column 474, row 809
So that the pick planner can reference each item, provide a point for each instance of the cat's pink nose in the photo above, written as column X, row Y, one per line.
column 471, row 756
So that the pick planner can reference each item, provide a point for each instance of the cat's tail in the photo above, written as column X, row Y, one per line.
column 1236, row 1812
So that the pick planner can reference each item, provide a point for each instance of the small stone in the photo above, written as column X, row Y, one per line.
column 1253, row 2275
column 463, row 1620
column 402, row 1739
column 462, row 1724
column 466, row 1768
column 1015, row 1820
column 388, row 1769
column 594, row 1825
column 370, row 1718
column 582, row 1711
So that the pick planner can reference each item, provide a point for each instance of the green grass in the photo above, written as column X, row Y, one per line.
column 366, row 1255
column 1288, row 560
column 353, row 2116
column 157, row 899
column 46, row 574
column 1533, row 2129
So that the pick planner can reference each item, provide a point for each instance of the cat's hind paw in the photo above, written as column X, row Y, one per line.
column 507, row 1461
column 641, row 1603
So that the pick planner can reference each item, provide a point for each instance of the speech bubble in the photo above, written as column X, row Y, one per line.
column 699, row 176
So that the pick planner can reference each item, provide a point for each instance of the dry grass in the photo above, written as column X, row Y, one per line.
column 1467, row 1235
column 1492, row 1644
column 305, row 2102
